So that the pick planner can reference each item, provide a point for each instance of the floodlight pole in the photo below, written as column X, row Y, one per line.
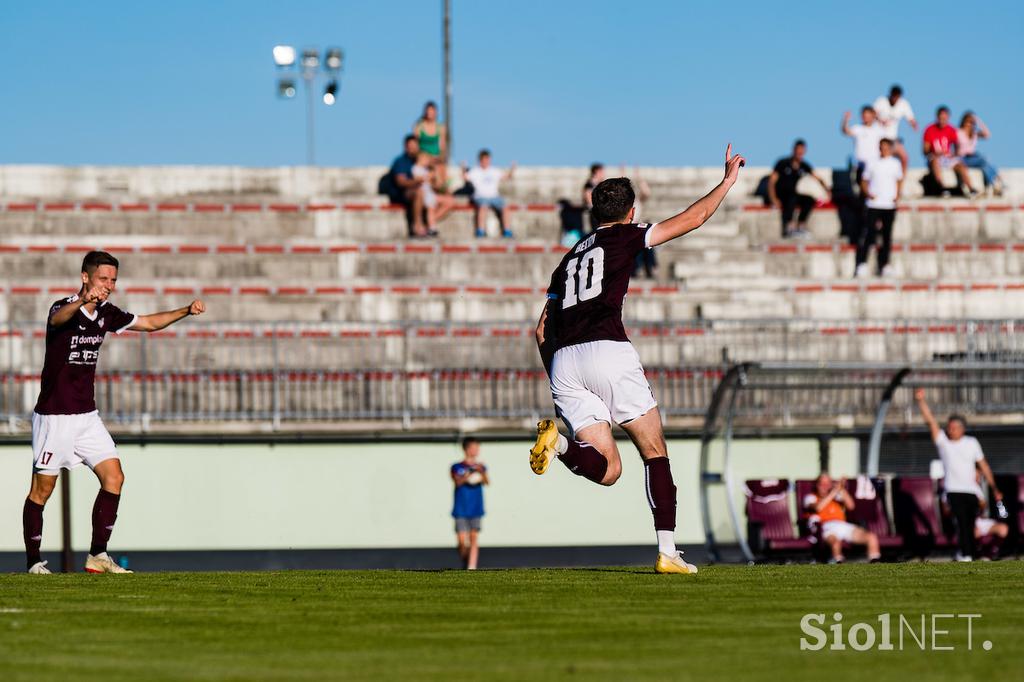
column 447, row 75
column 307, row 76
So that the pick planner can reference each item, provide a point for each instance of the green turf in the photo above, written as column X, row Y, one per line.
column 730, row 622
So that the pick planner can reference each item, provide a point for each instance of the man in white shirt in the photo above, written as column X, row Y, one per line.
column 890, row 110
column 961, row 456
column 486, row 181
column 866, row 136
column 880, row 185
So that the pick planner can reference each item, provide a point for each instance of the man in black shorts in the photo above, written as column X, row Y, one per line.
column 596, row 376
column 66, row 428
column 782, row 191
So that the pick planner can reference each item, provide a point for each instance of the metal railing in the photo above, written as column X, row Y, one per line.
column 299, row 372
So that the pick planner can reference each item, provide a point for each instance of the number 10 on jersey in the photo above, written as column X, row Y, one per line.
column 583, row 277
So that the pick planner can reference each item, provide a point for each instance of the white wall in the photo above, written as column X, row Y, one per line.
column 379, row 495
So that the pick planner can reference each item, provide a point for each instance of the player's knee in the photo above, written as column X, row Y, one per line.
column 113, row 482
column 612, row 474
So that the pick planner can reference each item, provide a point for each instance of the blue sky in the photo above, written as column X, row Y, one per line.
column 661, row 82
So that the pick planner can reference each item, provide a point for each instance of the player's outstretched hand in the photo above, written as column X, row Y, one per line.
column 732, row 165
column 919, row 395
column 197, row 307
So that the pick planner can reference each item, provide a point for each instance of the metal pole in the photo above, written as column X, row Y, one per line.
column 310, row 158
column 67, row 557
column 875, row 442
column 447, row 76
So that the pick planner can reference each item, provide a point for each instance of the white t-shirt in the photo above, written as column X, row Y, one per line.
column 485, row 181
column 959, row 459
column 883, row 177
column 865, row 141
column 889, row 115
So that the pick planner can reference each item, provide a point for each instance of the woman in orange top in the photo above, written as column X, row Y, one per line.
column 829, row 502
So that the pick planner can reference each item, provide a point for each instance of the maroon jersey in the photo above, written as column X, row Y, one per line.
column 69, row 371
column 588, row 286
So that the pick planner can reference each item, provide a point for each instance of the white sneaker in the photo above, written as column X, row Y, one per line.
column 888, row 272
column 862, row 271
column 39, row 568
column 963, row 557
column 102, row 563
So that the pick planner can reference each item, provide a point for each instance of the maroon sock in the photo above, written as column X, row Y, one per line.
column 32, row 525
column 661, row 492
column 583, row 459
column 104, row 513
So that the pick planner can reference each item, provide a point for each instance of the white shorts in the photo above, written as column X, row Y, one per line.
column 64, row 441
column 599, row 381
column 984, row 526
column 842, row 530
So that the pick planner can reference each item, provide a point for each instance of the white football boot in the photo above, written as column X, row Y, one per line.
column 39, row 568
column 102, row 563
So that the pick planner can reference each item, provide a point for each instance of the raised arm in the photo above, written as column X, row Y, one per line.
column 68, row 310
column 845, row 125
column 926, row 413
column 701, row 210
column 157, row 321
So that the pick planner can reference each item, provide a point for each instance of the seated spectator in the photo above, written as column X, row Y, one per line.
column 940, row 145
column 486, row 180
column 570, row 217
column 436, row 205
column 971, row 128
column 596, row 176
column 866, row 136
column 432, row 136
column 783, row 193
column 829, row 503
column 890, row 111
column 407, row 190
column 880, row 186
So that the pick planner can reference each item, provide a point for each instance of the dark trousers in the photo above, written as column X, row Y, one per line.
column 965, row 509
column 877, row 223
column 791, row 203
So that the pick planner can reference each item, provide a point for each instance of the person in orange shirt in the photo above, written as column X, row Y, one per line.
column 830, row 502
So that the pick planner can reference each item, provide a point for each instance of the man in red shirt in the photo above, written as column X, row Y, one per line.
column 66, row 428
column 940, row 147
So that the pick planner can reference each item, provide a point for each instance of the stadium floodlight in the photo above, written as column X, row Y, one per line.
column 286, row 88
column 333, row 58
column 310, row 59
column 331, row 93
column 284, row 55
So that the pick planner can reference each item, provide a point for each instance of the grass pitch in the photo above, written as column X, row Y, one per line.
column 728, row 622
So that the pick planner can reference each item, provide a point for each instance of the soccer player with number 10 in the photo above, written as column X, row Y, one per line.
column 595, row 373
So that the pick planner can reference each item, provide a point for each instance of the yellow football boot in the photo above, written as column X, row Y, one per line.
column 668, row 563
column 543, row 452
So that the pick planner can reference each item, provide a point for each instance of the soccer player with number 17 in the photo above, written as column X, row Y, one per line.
column 595, row 373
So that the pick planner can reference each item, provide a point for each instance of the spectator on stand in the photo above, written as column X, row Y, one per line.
column 782, row 191
column 407, row 190
column 436, row 206
column 890, row 111
column 866, row 136
column 432, row 136
column 469, row 477
column 829, row 503
column 596, row 176
column 880, row 185
column 971, row 128
column 940, row 149
column 961, row 458
column 486, row 180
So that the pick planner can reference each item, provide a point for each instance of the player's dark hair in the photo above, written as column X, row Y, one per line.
column 94, row 259
column 886, row 140
column 867, row 107
column 467, row 441
column 940, row 110
column 800, row 142
column 483, row 153
column 612, row 199
column 958, row 418
column 895, row 90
